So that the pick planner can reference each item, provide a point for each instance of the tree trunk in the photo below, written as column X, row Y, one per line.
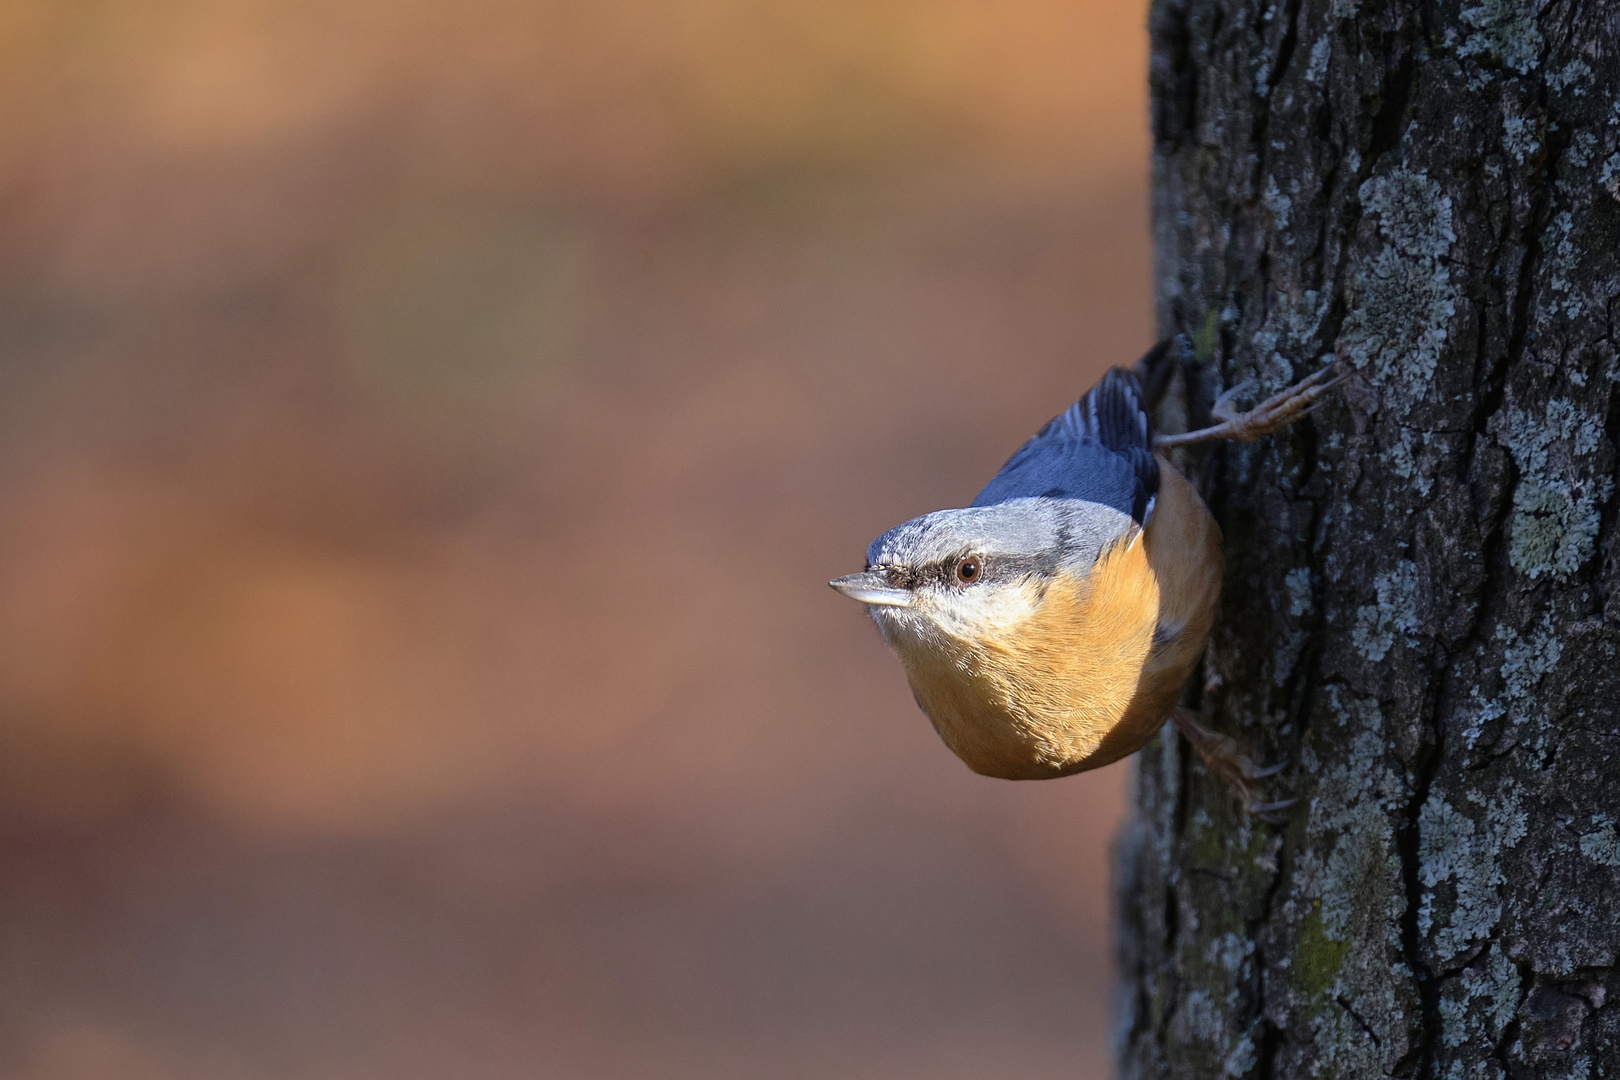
column 1422, row 605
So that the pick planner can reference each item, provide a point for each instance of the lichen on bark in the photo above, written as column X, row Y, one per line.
column 1422, row 608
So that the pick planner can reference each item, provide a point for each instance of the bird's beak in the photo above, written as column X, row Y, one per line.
column 872, row 588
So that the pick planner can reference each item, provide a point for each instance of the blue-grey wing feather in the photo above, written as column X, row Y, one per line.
column 1099, row 449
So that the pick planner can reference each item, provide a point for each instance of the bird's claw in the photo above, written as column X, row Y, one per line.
column 1221, row 757
column 1273, row 414
column 1222, row 410
column 1252, row 773
column 1277, row 411
column 1265, row 809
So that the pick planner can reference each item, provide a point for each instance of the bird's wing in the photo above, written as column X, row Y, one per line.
column 1099, row 449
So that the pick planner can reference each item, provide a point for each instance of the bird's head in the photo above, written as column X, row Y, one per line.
column 959, row 577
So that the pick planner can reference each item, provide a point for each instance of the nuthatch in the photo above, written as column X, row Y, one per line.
column 1047, row 628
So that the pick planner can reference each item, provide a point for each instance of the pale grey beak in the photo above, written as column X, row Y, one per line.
column 872, row 588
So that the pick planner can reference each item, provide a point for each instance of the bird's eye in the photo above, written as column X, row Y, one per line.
column 968, row 570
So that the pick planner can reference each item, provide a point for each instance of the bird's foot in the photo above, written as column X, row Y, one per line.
column 1271, row 415
column 1221, row 756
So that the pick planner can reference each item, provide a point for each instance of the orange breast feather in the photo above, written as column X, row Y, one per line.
column 1184, row 549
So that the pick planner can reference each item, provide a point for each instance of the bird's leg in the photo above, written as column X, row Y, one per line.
column 1273, row 414
column 1221, row 756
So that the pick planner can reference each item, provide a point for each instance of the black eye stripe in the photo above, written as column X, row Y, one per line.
column 997, row 569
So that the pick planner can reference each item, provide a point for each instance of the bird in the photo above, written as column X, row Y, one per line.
column 1048, row 627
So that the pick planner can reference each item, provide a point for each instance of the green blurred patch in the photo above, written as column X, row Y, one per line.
column 459, row 319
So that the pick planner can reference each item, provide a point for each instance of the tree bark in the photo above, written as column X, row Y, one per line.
column 1422, row 607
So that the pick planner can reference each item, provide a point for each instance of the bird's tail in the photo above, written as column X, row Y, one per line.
column 1114, row 413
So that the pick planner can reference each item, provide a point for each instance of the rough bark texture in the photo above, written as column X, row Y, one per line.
column 1422, row 610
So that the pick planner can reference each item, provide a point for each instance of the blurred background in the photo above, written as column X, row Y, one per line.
column 427, row 428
